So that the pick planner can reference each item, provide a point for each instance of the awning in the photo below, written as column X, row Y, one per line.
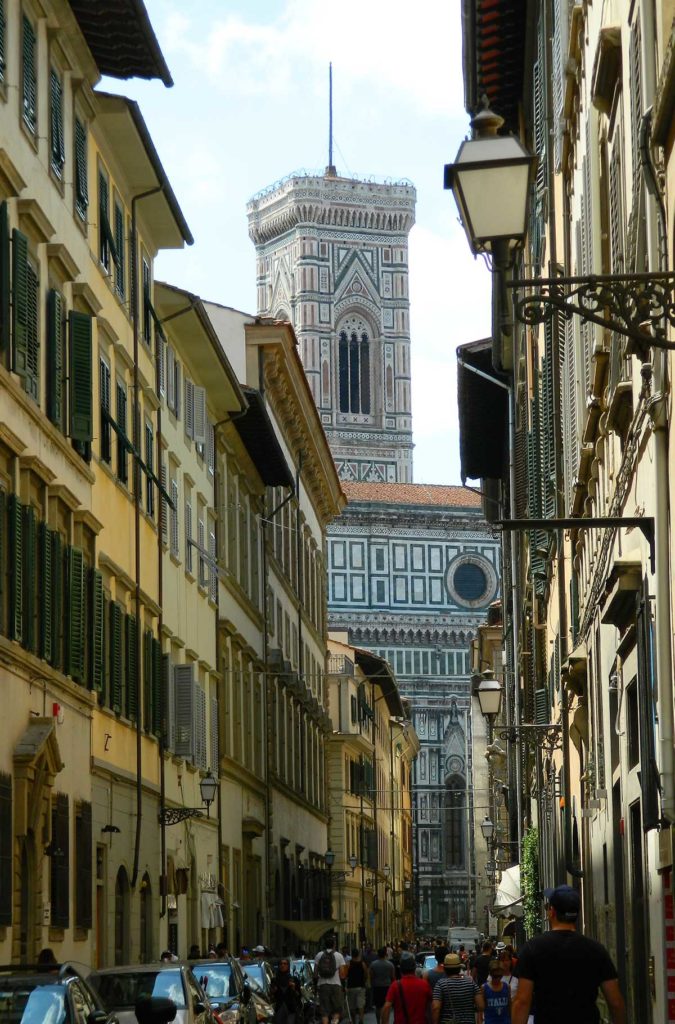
column 212, row 915
column 483, row 421
column 509, row 899
column 310, row 931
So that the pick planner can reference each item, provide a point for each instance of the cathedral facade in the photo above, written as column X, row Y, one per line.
column 412, row 568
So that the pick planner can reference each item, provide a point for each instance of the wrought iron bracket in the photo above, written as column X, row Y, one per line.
column 549, row 734
column 174, row 815
column 643, row 523
column 637, row 306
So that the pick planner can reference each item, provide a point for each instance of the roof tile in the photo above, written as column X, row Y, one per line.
column 438, row 495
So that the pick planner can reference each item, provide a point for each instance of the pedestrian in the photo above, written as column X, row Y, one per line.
column 506, row 960
column 562, row 970
column 409, row 997
column 195, row 952
column 284, row 992
column 434, row 975
column 47, row 961
column 381, row 977
column 481, row 967
column 497, row 996
column 329, row 970
column 456, row 997
column 355, row 984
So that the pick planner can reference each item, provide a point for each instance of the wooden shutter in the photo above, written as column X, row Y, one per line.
column 168, row 709
column 57, row 599
column 116, row 657
column 214, row 751
column 170, row 378
column 200, row 728
column 199, row 424
column 120, row 271
column 156, row 694
column 81, row 170
column 58, row 155
column 80, row 407
column 213, row 567
column 147, row 679
column 55, row 353
column 163, row 503
column 104, row 403
column 19, row 301
column 5, row 303
column 83, row 866
column 210, row 447
column 97, row 646
column 3, row 54
column 184, row 687
column 649, row 773
column 15, row 534
column 160, row 364
column 131, row 632
column 189, row 407
column 541, row 706
column 6, row 845
column 60, row 861
column 29, row 576
column 75, row 611
column 32, row 374
column 177, row 388
column 29, row 77
column 46, row 592
column 175, row 540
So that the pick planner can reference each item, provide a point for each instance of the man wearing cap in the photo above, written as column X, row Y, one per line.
column 409, row 997
column 562, row 970
column 456, row 998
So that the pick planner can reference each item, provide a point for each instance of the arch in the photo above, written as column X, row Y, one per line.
column 354, row 369
column 454, row 826
column 122, row 917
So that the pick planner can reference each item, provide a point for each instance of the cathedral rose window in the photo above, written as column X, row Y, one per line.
column 471, row 581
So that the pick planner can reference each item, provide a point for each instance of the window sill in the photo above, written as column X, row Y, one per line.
column 190, row 575
column 57, row 180
column 30, row 134
column 175, row 558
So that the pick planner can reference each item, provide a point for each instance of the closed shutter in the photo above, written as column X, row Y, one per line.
column 199, row 425
column 60, row 862
column 75, row 608
column 4, row 562
column 170, row 378
column 541, row 706
column 178, row 390
column 210, row 447
column 32, row 377
column 104, row 224
column 213, row 568
column 120, row 249
column 97, row 645
column 81, row 170
column 150, row 464
column 19, row 302
column 131, row 667
column 160, row 361
column 5, row 304
column 200, row 728
column 116, row 656
column 214, row 752
column 147, row 679
column 561, row 13
column 122, row 443
column 189, row 407
column 29, row 77
column 83, row 866
column 201, row 540
column 29, row 577
column 156, row 694
column 15, row 535
column 185, row 711
column 80, row 409
column 6, row 844
column 57, row 149
column 3, row 29
column 46, row 592
column 168, row 709
column 188, row 536
column 57, row 599
column 104, row 403
column 55, row 357
column 163, row 503
column 175, row 540
column 649, row 773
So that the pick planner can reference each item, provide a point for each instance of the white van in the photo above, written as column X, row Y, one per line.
column 467, row 937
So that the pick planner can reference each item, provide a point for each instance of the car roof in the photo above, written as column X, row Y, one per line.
column 159, row 965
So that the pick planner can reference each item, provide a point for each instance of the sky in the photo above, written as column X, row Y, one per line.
column 250, row 104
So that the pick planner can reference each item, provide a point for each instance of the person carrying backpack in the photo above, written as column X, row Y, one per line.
column 329, row 970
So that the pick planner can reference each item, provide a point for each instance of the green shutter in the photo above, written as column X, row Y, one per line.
column 116, row 657
column 32, row 377
column 75, row 662
column 46, row 591
column 80, row 406
column 55, row 366
column 97, row 620
column 156, row 719
column 131, row 667
column 57, row 599
column 19, row 301
column 56, row 111
column 29, row 567
column 147, row 679
column 29, row 76
column 4, row 279
column 16, row 569
column 81, row 170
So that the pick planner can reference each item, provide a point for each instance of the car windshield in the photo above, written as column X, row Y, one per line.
column 30, row 1002
column 216, row 979
column 257, row 977
column 120, row 991
column 430, row 962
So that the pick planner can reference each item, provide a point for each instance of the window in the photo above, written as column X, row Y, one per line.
column 188, row 536
column 60, row 861
column 57, row 153
column 146, row 302
column 104, row 399
column 201, row 540
column 56, row 358
column 150, row 464
column 3, row 31
column 173, row 515
column 122, row 442
column 29, row 77
column 107, row 246
column 83, row 866
column 213, row 570
column 354, row 368
column 26, row 326
column 120, row 279
column 81, row 170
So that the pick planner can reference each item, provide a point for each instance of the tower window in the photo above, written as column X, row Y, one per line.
column 354, row 371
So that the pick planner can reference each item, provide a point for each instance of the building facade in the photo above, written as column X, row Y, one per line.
column 588, row 610
column 332, row 258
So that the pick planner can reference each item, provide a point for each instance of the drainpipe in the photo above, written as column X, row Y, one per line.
column 137, row 529
column 160, row 621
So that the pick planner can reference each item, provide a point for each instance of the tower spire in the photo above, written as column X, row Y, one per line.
column 330, row 169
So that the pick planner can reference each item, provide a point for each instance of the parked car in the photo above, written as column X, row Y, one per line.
column 118, row 988
column 36, row 994
column 227, row 989
column 303, row 971
column 259, row 975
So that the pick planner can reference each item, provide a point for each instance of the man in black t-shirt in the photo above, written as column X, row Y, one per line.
column 481, row 966
column 563, row 970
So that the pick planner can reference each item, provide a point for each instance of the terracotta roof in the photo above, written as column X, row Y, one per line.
column 412, row 494
column 121, row 39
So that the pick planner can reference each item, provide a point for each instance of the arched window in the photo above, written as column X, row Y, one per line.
column 354, row 367
column 454, row 824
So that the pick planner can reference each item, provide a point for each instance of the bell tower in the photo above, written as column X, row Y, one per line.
column 332, row 257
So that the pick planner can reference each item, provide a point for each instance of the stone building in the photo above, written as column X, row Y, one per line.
column 411, row 568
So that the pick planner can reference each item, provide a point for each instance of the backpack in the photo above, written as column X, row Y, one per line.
column 326, row 965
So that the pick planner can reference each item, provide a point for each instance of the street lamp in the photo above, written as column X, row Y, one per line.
column 489, row 694
column 487, row 828
column 353, row 861
column 329, row 858
column 386, row 871
column 208, row 787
